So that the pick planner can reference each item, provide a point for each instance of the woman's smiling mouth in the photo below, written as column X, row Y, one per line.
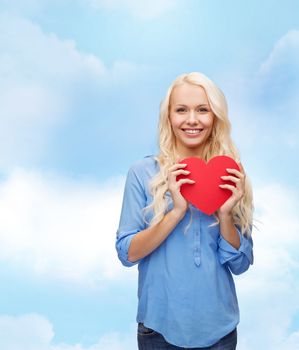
column 193, row 131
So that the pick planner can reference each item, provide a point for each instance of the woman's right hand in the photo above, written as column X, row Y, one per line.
column 180, row 205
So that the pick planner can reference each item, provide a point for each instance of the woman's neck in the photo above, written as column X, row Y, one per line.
column 182, row 154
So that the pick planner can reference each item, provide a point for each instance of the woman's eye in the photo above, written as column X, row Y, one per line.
column 201, row 110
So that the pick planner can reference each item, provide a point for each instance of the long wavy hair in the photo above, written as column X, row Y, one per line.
column 219, row 143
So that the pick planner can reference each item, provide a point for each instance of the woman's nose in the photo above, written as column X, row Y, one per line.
column 192, row 118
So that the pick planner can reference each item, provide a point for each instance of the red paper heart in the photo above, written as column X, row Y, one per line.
column 205, row 193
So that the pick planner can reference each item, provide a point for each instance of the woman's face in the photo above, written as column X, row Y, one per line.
column 191, row 118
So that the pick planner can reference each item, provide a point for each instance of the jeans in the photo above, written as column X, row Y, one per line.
column 148, row 339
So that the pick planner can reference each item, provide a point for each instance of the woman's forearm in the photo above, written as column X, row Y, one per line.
column 146, row 241
column 229, row 231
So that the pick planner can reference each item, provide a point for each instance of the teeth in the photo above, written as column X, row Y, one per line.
column 193, row 131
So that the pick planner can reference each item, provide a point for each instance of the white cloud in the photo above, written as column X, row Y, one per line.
column 268, row 291
column 26, row 332
column 278, row 75
column 285, row 52
column 61, row 229
column 23, row 6
column 35, row 332
column 264, row 104
column 39, row 73
column 140, row 9
column 32, row 55
column 41, row 77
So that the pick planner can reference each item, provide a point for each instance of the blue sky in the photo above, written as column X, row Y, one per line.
column 80, row 88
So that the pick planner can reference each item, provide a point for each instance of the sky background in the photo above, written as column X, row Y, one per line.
column 80, row 86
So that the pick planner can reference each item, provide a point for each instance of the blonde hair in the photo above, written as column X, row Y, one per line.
column 219, row 143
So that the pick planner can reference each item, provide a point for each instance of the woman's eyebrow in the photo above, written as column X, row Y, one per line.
column 202, row 104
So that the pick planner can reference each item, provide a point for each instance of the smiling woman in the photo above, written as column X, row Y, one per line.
column 186, row 291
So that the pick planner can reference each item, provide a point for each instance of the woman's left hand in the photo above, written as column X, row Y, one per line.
column 238, row 177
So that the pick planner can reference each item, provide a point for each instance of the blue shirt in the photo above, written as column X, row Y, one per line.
column 186, row 290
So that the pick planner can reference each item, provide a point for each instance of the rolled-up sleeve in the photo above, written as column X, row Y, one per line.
column 238, row 260
column 131, row 218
